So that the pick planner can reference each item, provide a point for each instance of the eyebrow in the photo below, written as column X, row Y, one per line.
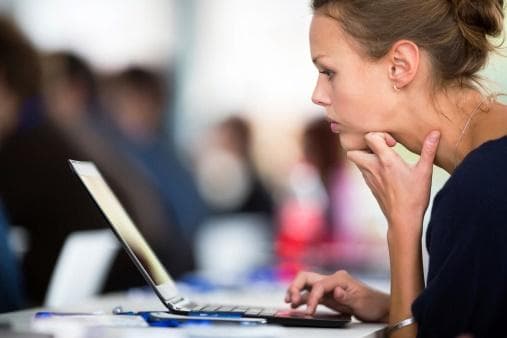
column 315, row 59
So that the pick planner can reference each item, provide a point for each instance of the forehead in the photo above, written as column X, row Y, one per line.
column 327, row 37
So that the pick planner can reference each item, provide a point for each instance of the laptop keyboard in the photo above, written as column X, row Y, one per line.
column 210, row 309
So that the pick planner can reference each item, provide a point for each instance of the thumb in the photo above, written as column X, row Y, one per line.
column 429, row 150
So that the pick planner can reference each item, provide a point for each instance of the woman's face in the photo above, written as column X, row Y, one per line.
column 355, row 91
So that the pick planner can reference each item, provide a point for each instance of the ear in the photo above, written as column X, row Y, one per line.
column 403, row 62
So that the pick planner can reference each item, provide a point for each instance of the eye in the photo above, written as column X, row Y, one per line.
column 327, row 73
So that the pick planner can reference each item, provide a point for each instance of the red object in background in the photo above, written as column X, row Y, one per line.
column 301, row 226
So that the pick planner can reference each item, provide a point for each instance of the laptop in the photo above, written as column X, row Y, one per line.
column 161, row 282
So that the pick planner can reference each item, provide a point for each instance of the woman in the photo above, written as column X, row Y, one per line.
column 406, row 71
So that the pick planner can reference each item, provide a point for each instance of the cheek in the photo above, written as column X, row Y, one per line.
column 349, row 95
column 352, row 109
column 362, row 109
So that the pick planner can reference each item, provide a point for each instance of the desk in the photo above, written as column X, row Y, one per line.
column 139, row 301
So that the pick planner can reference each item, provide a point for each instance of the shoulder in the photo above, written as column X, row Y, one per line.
column 479, row 183
column 484, row 169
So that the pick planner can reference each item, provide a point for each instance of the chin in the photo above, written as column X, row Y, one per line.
column 351, row 142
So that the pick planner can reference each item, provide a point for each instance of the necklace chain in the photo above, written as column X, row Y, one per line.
column 467, row 124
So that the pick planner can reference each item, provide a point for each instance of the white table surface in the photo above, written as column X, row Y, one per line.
column 268, row 296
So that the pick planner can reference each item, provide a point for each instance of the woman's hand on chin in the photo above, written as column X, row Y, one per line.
column 401, row 189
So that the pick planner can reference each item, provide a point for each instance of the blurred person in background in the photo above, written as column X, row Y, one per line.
column 42, row 195
column 323, row 152
column 136, row 100
column 69, row 91
column 236, row 241
column 227, row 177
column 19, row 81
column 312, row 216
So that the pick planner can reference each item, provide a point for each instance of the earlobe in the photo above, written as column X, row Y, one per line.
column 403, row 63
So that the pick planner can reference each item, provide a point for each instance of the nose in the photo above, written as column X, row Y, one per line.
column 319, row 96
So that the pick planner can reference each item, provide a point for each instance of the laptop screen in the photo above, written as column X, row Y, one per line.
column 121, row 222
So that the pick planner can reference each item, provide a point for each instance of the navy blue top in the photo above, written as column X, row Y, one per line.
column 466, row 290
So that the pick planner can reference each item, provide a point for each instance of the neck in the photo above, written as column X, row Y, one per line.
column 465, row 118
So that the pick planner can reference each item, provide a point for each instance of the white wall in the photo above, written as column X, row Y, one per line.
column 110, row 34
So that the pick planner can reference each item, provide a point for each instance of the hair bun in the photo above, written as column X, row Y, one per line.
column 479, row 16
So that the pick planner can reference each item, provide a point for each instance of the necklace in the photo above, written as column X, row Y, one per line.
column 467, row 124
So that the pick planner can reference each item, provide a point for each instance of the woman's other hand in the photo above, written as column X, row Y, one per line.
column 339, row 292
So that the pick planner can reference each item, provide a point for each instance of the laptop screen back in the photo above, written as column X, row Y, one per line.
column 123, row 226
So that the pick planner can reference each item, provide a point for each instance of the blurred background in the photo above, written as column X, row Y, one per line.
column 198, row 113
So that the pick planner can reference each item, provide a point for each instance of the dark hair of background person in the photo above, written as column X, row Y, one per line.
column 145, row 82
column 137, row 99
column 322, row 148
column 67, row 66
column 20, row 75
column 19, row 64
column 455, row 33
column 239, row 130
column 236, row 137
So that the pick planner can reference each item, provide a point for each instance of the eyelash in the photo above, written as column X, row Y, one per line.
column 327, row 73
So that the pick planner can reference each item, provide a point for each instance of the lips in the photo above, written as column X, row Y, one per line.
column 335, row 126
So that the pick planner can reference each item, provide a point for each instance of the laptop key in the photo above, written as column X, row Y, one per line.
column 175, row 300
column 188, row 308
column 240, row 309
column 253, row 311
column 225, row 308
column 210, row 308
column 199, row 308
column 268, row 312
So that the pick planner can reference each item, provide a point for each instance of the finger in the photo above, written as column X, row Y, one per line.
column 343, row 279
column 429, row 151
column 338, row 301
column 333, row 305
column 390, row 141
column 318, row 291
column 378, row 143
column 369, row 178
column 330, row 302
column 335, row 285
column 302, row 300
column 362, row 159
column 302, row 281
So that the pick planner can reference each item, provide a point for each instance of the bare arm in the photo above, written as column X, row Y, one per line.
column 407, row 279
column 402, row 191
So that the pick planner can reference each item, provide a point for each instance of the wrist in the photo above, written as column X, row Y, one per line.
column 402, row 218
column 384, row 304
column 404, row 230
column 403, row 238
